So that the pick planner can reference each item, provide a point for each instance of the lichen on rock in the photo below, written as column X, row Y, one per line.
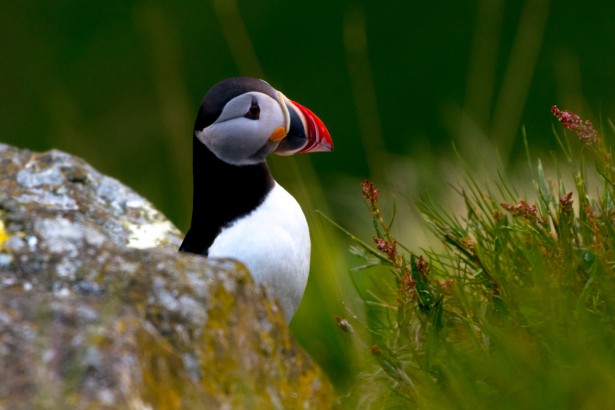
column 98, row 310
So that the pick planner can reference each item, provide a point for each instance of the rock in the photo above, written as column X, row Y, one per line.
column 98, row 310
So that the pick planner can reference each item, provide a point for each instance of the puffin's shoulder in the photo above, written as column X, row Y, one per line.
column 280, row 200
column 278, row 210
column 277, row 223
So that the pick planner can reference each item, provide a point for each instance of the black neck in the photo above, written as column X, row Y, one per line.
column 222, row 193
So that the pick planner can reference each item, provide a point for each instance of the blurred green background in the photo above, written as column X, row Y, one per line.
column 396, row 82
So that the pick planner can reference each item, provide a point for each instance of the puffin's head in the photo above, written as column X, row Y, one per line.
column 243, row 119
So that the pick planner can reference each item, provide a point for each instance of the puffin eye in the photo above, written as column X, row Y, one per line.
column 254, row 111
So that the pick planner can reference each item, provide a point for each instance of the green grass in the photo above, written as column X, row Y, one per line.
column 516, row 309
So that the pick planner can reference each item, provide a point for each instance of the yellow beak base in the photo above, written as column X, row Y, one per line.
column 278, row 134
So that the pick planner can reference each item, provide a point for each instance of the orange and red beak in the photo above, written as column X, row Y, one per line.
column 306, row 132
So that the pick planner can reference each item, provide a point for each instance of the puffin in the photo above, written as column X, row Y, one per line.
column 239, row 211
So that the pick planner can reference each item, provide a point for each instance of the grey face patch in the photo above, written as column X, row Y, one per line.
column 262, row 153
column 237, row 139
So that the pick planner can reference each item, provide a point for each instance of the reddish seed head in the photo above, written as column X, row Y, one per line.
column 370, row 192
column 524, row 210
column 390, row 248
column 469, row 244
column 566, row 201
column 521, row 209
column 376, row 350
column 584, row 130
column 422, row 266
column 445, row 284
column 407, row 283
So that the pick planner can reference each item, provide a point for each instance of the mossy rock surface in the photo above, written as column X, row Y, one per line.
column 98, row 310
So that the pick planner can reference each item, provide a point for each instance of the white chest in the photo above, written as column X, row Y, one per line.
column 273, row 242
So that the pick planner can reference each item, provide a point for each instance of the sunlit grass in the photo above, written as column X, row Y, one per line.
column 514, row 309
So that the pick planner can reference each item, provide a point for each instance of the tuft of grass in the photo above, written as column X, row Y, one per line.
column 518, row 307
